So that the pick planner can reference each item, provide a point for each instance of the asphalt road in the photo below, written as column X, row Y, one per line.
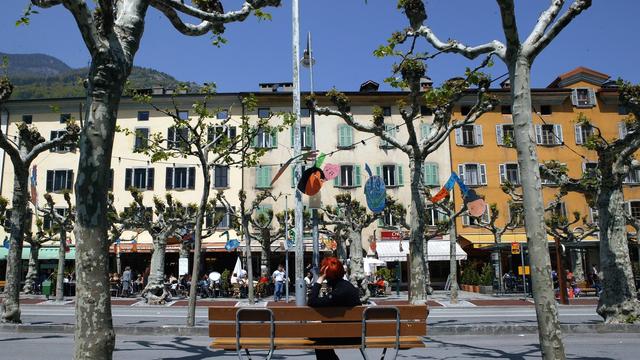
column 588, row 347
column 156, row 316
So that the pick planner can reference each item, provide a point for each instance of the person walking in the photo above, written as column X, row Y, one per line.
column 126, row 282
column 279, row 278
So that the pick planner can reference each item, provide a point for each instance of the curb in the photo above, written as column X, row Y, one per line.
column 179, row 330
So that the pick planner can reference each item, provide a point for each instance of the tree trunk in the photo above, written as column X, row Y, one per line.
column 427, row 272
column 155, row 292
column 577, row 267
column 11, row 304
column 417, row 294
column 497, row 263
column 545, row 303
column 341, row 249
column 60, row 275
column 265, row 254
column 247, row 239
column 356, row 265
column 453, row 262
column 32, row 273
column 618, row 302
column 197, row 246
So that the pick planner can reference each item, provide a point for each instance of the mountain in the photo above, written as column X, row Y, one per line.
column 37, row 76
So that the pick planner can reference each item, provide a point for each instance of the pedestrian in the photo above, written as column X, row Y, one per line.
column 126, row 282
column 343, row 293
column 279, row 278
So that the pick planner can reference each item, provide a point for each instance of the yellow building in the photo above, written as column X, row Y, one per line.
column 484, row 156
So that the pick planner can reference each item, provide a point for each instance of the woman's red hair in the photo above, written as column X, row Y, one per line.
column 334, row 268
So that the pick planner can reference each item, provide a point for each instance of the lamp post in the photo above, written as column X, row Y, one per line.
column 308, row 61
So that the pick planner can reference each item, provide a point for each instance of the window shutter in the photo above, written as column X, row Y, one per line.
column 267, row 177
column 336, row 180
column 578, row 130
column 292, row 136
column 54, row 134
column 538, row 134
column 574, row 97
column 622, row 129
column 274, row 139
column 69, row 179
column 557, row 130
column 232, row 132
column 400, row 179
column 169, row 178
column 150, row 178
column 499, row 135
column 357, row 176
column 379, row 171
column 392, row 130
column 293, row 177
column 309, row 135
column 465, row 220
column 192, row 178
column 483, row 174
column 478, row 133
column 458, row 133
column 171, row 137
column 380, row 222
column 128, row 178
column 461, row 173
column 425, row 130
column 254, row 140
column 592, row 97
column 435, row 175
column 503, row 173
column 49, row 180
column 426, row 175
column 348, row 135
column 341, row 136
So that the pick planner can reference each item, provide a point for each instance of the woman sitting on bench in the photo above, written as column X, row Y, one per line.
column 342, row 293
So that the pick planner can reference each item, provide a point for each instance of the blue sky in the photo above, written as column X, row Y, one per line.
column 345, row 32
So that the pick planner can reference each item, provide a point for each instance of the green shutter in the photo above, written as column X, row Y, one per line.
column 258, row 177
column 430, row 172
column 292, row 138
column 254, row 141
column 293, row 177
column 344, row 136
column 399, row 178
column 357, row 181
column 309, row 135
column 267, row 180
column 274, row 139
column 425, row 129
column 336, row 180
column 348, row 135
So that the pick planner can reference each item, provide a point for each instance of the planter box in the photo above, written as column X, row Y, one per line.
column 476, row 288
column 486, row 289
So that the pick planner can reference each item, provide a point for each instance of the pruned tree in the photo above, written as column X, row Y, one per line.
column 112, row 32
column 212, row 142
column 603, row 190
column 518, row 56
column 266, row 234
column 417, row 146
column 35, row 242
column 61, row 224
column 22, row 150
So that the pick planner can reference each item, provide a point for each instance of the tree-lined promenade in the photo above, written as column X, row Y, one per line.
column 112, row 32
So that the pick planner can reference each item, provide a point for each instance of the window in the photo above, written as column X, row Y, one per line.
column 583, row 133
column 622, row 110
column 222, row 214
column 633, row 207
column 593, row 214
column 305, row 112
column 27, row 119
column 388, row 219
column 64, row 118
column 633, row 177
column 345, row 136
column 178, row 137
column 430, row 176
column 473, row 174
column 390, row 130
column 391, row 174
column 143, row 115
column 516, row 212
column 110, row 180
column 142, row 139
column 425, row 130
column 386, row 111
column 583, row 98
column 306, row 137
column 220, row 176
column 549, row 134
column 465, row 110
column 227, row 132
column 264, row 113
column 476, row 221
column 469, row 135
column 59, row 180
column 181, row 178
column 545, row 110
column 61, row 147
column 223, row 114
column 509, row 173
column 590, row 169
column 139, row 178
column 435, row 216
column 183, row 114
column 47, row 221
column 624, row 129
column 425, row 111
column 546, row 179
column 263, row 177
column 505, row 136
column 265, row 139
column 147, row 213
column 559, row 210
column 350, row 176
column 505, row 109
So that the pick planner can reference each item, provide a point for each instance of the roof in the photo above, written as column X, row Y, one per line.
column 580, row 73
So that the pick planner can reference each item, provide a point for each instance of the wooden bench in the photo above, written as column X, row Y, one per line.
column 302, row 327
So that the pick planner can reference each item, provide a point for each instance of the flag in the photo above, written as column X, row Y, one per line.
column 34, row 183
column 231, row 244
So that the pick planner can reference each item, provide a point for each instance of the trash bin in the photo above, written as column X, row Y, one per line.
column 46, row 288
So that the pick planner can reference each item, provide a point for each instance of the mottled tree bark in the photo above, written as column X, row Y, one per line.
column 32, row 273
column 417, row 244
column 577, row 267
column 453, row 262
column 356, row 265
column 61, row 258
column 197, row 245
column 155, row 292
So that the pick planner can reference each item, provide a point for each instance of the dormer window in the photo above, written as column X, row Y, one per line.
column 583, row 98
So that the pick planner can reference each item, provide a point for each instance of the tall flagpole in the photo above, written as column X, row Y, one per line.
column 299, row 246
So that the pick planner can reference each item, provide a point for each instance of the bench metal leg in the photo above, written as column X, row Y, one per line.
column 363, row 345
column 272, row 332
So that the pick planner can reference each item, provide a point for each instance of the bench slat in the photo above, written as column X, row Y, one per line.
column 305, row 313
column 317, row 329
column 229, row 343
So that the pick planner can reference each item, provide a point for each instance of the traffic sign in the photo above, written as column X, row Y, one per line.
column 515, row 248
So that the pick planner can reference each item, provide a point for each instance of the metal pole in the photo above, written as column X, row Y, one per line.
column 314, row 212
column 286, row 244
column 300, row 285
column 524, row 276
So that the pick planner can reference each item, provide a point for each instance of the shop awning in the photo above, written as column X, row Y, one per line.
column 46, row 253
column 438, row 250
column 486, row 241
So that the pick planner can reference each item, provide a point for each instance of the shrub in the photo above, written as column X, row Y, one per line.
column 486, row 275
